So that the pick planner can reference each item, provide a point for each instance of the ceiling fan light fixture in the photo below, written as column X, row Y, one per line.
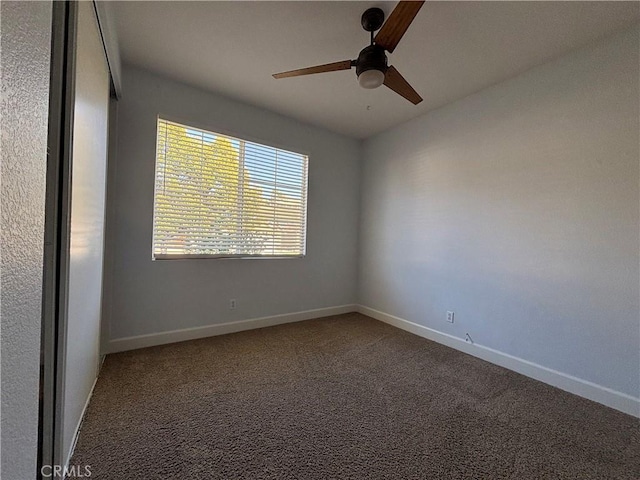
column 371, row 78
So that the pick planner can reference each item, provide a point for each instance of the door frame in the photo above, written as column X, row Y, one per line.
column 57, row 233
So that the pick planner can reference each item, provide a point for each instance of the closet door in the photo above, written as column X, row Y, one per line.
column 86, row 222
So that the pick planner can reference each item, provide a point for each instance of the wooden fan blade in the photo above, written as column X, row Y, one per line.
column 398, row 84
column 329, row 67
column 397, row 24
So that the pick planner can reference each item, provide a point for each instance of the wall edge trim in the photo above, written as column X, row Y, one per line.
column 577, row 386
column 76, row 433
column 173, row 336
column 583, row 388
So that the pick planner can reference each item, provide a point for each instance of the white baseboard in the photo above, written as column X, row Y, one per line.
column 153, row 339
column 76, row 433
column 606, row 396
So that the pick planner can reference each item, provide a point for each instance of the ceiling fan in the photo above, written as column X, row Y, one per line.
column 371, row 66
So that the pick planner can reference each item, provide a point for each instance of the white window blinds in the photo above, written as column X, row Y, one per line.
column 219, row 196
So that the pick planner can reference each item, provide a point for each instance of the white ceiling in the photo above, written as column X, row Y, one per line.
column 451, row 50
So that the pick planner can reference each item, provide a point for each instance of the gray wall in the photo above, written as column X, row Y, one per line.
column 517, row 208
column 26, row 50
column 89, row 166
column 149, row 297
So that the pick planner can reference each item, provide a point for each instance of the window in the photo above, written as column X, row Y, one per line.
column 219, row 196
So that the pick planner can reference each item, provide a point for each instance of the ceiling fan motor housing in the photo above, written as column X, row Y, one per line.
column 371, row 58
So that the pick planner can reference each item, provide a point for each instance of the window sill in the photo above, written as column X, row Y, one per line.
column 225, row 257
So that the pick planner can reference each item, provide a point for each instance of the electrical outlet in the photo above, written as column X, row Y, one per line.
column 450, row 317
column 232, row 304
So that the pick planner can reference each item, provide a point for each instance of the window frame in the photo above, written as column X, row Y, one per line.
column 247, row 139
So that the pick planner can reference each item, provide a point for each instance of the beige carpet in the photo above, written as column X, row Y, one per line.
column 343, row 397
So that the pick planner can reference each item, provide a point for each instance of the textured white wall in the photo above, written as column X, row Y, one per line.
column 517, row 208
column 149, row 297
column 26, row 49
column 89, row 165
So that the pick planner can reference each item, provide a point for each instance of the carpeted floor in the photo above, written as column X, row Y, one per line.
column 344, row 397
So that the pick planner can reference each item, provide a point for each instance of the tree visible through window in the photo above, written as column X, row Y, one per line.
column 221, row 196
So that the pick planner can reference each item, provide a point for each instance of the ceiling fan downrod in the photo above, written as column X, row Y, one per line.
column 371, row 20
